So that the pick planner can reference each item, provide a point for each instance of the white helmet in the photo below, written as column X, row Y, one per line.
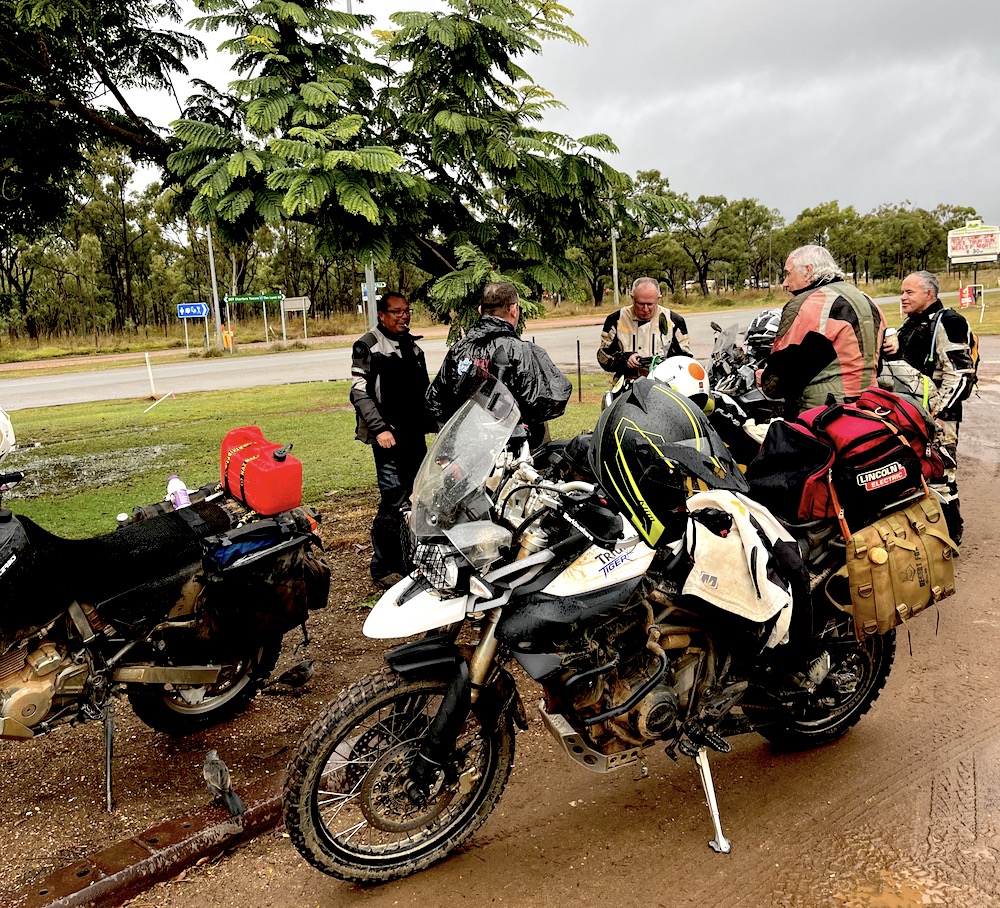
column 7, row 440
column 686, row 376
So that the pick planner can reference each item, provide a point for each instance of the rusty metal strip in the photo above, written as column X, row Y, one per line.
column 131, row 866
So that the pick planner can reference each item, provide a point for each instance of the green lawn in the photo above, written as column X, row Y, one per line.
column 85, row 463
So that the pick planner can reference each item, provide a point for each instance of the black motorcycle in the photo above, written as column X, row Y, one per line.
column 184, row 611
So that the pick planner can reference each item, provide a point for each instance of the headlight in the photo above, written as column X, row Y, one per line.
column 438, row 563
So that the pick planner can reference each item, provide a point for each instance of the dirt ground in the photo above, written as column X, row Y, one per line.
column 904, row 811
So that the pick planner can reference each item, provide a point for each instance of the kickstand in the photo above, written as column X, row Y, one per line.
column 720, row 843
column 108, row 715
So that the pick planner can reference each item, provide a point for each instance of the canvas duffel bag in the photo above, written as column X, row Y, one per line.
column 899, row 565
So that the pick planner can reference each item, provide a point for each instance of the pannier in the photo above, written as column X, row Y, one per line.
column 898, row 566
column 265, row 576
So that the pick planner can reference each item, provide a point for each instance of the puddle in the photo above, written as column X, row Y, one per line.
column 58, row 474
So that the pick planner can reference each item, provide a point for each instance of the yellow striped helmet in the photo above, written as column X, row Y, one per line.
column 652, row 448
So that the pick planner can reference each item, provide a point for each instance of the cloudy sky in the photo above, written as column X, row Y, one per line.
column 792, row 103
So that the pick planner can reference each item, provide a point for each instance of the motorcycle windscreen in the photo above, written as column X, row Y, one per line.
column 449, row 486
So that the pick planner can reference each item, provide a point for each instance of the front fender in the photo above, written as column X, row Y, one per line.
column 397, row 614
column 426, row 656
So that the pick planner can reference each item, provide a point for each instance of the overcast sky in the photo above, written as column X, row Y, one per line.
column 792, row 103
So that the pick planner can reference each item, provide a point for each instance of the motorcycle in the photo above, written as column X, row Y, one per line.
column 734, row 363
column 515, row 565
column 183, row 611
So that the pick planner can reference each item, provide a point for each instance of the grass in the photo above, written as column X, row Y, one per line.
column 85, row 463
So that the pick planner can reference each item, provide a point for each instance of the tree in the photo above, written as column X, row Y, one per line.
column 65, row 66
column 426, row 154
column 702, row 232
column 752, row 225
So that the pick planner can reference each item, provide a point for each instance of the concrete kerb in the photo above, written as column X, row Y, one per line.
column 131, row 866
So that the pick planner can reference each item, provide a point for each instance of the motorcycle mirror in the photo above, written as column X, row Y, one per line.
column 664, row 324
column 716, row 327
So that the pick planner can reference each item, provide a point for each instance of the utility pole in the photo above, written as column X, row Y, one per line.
column 215, row 288
column 614, row 253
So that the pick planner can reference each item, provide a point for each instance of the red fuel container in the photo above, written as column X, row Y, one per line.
column 260, row 473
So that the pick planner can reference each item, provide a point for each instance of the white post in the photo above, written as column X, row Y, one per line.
column 305, row 330
column 267, row 339
column 149, row 369
column 284, row 338
column 187, row 346
column 215, row 289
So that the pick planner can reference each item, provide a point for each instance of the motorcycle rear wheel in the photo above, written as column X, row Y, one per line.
column 856, row 679
column 345, row 807
column 240, row 680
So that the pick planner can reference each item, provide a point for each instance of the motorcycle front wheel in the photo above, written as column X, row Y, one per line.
column 856, row 679
column 346, row 807
column 181, row 711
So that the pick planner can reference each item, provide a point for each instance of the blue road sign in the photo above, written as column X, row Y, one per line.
column 192, row 310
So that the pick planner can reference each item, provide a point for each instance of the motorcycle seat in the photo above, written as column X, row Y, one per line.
column 96, row 569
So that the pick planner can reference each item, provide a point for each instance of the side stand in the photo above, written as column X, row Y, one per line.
column 720, row 843
column 108, row 715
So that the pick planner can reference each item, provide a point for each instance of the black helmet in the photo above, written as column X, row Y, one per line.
column 652, row 448
column 761, row 333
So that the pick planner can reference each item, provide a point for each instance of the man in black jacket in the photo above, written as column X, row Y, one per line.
column 388, row 383
column 492, row 348
column 937, row 343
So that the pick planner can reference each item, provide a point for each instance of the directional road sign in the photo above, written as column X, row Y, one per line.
column 256, row 298
column 192, row 310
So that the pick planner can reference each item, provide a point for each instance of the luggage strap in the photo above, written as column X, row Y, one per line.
column 229, row 457
column 243, row 470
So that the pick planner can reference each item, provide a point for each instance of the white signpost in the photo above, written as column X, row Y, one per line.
column 294, row 304
column 263, row 299
column 974, row 243
column 379, row 285
column 192, row 310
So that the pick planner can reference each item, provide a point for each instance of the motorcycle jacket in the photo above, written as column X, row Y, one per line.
column 829, row 342
column 491, row 348
column 936, row 342
column 388, row 383
column 623, row 334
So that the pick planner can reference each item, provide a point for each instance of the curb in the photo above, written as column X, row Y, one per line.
column 131, row 866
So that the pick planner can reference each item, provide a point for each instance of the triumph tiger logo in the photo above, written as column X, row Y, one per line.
column 871, row 480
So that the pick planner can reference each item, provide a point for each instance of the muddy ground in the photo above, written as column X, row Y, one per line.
column 904, row 811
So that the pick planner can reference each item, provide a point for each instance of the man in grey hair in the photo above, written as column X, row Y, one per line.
column 937, row 342
column 829, row 338
column 633, row 332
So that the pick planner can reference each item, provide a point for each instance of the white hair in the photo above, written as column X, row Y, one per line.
column 823, row 265
column 929, row 280
column 641, row 281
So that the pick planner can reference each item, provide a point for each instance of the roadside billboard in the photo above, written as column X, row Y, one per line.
column 975, row 242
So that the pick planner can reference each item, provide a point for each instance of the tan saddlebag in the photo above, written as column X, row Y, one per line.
column 899, row 565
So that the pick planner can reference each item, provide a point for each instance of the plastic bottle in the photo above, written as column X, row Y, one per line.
column 177, row 492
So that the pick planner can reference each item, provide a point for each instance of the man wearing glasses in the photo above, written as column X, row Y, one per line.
column 633, row 333
column 388, row 383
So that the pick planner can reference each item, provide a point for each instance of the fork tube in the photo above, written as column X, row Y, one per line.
column 486, row 650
